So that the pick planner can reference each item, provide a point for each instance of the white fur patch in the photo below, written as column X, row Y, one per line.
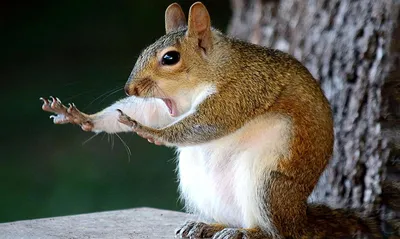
column 188, row 101
column 219, row 180
column 151, row 112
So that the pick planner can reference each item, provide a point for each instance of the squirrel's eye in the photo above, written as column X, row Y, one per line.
column 170, row 58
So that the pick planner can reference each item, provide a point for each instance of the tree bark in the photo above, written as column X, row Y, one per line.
column 348, row 46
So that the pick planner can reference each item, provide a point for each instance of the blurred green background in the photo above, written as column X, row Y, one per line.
column 78, row 50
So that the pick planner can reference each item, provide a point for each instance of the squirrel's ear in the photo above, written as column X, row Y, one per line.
column 174, row 18
column 200, row 25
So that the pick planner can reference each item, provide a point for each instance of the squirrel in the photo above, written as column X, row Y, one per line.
column 252, row 128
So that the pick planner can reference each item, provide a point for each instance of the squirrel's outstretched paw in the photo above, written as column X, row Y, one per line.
column 198, row 230
column 65, row 115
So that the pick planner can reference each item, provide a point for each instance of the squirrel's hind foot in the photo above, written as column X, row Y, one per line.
column 239, row 233
column 193, row 229
column 216, row 231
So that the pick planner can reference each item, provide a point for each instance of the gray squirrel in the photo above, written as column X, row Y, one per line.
column 252, row 128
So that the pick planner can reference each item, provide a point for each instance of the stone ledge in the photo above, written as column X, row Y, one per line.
column 134, row 223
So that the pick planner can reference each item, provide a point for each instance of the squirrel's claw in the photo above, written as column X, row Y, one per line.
column 193, row 229
column 126, row 120
column 232, row 233
column 46, row 104
column 54, row 105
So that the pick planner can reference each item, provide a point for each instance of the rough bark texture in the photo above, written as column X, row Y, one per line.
column 349, row 47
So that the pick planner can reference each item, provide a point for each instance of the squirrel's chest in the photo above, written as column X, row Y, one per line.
column 221, row 180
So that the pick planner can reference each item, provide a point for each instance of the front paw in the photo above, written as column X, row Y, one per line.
column 197, row 230
column 134, row 125
column 65, row 115
column 126, row 120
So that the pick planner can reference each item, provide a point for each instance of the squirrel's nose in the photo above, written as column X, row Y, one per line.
column 129, row 90
column 126, row 88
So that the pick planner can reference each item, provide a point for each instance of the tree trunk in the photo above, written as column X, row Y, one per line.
column 348, row 47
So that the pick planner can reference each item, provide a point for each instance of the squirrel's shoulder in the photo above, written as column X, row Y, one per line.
column 262, row 57
column 254, row 52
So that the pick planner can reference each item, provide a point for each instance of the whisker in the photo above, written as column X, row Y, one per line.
column 150, row 90
column 140, row 108
column 146, row 84
column 160, row 91
column 112, row 141
column 128, row 150
column 77, row 95
column 112, row 90
column 110, row 94
column 72, row 83
column 91, row 137
column 146, row 93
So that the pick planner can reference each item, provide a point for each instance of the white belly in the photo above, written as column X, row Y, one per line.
column 220, row 180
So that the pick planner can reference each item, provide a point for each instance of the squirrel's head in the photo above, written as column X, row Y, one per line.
column 176, row 68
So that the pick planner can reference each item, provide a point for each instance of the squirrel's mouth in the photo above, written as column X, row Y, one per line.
column 173, row 111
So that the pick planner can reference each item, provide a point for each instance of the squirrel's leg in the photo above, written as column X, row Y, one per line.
column 291, row 215
column 182, row 132
column 294, row 218
column 151, row 134
column 150, row 112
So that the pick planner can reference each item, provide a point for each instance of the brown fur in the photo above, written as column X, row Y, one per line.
column 252, row 80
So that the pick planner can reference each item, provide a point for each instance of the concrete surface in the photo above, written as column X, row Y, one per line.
column 138, row 223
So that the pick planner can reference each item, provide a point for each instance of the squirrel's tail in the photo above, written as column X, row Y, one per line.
column 325, row 222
